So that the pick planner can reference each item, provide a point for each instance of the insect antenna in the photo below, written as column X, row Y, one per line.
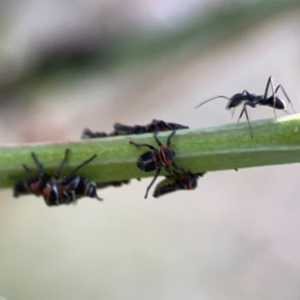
column 211, row 100
column 37, row 162
column 29, row 175
column 27, row 171
column 82, row 164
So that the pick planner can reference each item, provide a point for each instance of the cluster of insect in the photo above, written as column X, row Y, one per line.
column 58, row 189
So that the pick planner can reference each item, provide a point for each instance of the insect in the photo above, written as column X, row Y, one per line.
column 155, row 159
column 69, row 188
column 88, row 134
column 182, row 181
column 57, row 189
column 252, row 100
column 155, row 125
column 116, row 183
column 121, row 129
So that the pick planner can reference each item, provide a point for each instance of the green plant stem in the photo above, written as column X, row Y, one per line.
column 199, row 149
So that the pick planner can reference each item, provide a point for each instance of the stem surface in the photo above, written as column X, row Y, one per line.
column 199, row 149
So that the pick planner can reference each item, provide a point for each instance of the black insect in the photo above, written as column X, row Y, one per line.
column 121, row 129
column 116, row 183
column 58, row 189
column 155, row 159
column 88, row 134
column 253, row 100
column 69, row 188
column 155, row 125
column 173, row 183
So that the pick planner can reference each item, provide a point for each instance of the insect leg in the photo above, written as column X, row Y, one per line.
column 270, row 84
column 151, row 183
column 82, row 164
column 169, row 138
column 179, row 178
column 244, row 110
column 285, row 94
column 98, row 198
column 142, row 145
column 175, row 166
column 159, row 143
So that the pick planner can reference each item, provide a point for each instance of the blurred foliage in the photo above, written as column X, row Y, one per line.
column 195, row 35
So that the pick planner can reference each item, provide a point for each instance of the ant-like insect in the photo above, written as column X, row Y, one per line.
column 155, row 125
column 156, row 158
column 121, row 129
column 182, row 181
column 253, row 100
column 57, row 189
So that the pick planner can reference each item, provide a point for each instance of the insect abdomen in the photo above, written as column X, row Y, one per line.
column 165, row 187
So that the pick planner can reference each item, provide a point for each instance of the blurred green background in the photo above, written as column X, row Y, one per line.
column 66, row 65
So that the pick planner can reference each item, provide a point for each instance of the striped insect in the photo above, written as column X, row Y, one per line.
column 176, row 182
column 155, row 159
column 253, row 100
column 69, row 188
column 57, row 189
